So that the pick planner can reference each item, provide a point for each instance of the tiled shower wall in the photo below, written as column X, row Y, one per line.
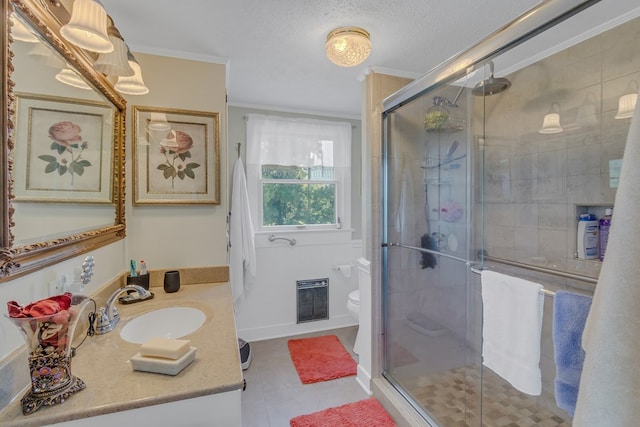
column 535, row 185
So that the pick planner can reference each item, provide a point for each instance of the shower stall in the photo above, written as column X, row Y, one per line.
column 487, row 162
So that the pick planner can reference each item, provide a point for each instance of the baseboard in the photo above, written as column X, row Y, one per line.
column 289, row 329
column 364, row 379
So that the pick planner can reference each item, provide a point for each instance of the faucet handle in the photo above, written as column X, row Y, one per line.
column 103, row 323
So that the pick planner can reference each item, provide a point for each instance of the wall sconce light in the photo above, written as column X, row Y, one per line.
column 627, row 103
column 551, row 121
column 348, row 46
column 158, row 122
column 116, row 62
column 71, row 78
column 87, row 27
column 20, row 32
column 46, row 56
column 132, row 85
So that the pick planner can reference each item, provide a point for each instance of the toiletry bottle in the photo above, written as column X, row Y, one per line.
column 143, row 267
column 588, row 237
column 603, row 231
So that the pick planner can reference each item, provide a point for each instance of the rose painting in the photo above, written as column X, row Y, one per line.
column 66, row 148
column 175, row 148
column 68, row 144
column 176, row 156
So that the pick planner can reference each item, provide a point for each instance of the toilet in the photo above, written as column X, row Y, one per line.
column 353, row 306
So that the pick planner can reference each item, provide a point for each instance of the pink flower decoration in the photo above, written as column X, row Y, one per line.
column 65, row 133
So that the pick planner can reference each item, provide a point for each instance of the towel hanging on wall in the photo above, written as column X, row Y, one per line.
column 511, row 329
column 242, row 253
column 569, row 316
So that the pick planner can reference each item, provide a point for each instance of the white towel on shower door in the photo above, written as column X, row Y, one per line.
column 611, row 340
column 242, row 253
column 511, row 326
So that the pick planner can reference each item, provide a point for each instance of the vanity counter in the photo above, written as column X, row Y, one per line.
column 112, row 386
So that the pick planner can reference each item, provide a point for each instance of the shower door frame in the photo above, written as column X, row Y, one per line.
column 523, row 28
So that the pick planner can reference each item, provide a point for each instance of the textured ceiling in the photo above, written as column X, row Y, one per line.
column 275, row 48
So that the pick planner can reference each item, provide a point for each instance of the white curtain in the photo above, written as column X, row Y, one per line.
column 286, row 141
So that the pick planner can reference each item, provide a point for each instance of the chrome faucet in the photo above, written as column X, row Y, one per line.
column 108, row 315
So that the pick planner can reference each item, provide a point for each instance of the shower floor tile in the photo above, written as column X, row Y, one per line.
column 447, row 395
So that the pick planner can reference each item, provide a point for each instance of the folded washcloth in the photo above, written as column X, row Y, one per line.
column 511, row 328
column 569, row 316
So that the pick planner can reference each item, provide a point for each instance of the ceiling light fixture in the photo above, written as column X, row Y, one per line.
column 87, row 27
column 348, row 46
column 132, row 85
column 116, row 62
column 551, row 121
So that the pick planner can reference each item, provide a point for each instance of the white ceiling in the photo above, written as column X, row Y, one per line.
column 275, row 48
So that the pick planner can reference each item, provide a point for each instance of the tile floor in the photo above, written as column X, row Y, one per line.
column 274, row 393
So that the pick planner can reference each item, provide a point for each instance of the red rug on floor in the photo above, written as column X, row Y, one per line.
column 364, row 413
column 320, row 359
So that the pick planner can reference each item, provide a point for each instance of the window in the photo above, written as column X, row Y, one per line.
column 298, row 172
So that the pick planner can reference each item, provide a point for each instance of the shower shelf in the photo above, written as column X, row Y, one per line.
column 452, row 125
column 437, row 182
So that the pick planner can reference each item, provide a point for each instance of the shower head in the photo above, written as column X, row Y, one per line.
column 492, row 85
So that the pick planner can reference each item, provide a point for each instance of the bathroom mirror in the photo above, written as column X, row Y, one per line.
column 63, row 147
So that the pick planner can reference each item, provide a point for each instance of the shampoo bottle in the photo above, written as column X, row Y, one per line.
column 588, row 237
column 603, row 231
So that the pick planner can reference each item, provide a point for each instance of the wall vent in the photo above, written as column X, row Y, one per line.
column 313, row 300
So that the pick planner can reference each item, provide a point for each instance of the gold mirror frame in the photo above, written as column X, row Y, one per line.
column 46, row 17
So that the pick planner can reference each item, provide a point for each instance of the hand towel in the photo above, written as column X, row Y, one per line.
column 569, row 316
column 611, row 339
column 511, row 328
column 242, row 253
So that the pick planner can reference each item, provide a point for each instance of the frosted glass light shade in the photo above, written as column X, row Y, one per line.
column 158, row 122
column 551, row 123
column 71, row 78
column 87, row 27
column 20, row 32
column 626, row 106
column 115, row 63
column 46, row 56
column 348, row 46
column 132, row 85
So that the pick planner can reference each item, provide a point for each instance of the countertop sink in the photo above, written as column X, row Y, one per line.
column 170, row 322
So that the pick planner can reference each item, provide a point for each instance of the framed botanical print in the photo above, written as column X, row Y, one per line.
column 176, row 156
column 65, row 148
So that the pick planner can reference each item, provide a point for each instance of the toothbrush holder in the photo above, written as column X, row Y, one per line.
column 140, row 280
column 172, row 281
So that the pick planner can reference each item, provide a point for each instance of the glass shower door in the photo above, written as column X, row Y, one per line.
column 430, row 312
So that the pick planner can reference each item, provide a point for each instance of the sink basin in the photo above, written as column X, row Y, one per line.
column 170, row 322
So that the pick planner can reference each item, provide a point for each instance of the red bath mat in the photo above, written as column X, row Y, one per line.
column 364, row 413
column 321, row 359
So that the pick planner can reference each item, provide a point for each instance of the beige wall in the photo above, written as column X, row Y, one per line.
column 168, row 236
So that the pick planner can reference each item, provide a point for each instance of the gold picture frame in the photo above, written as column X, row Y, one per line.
column 65, row 147
column 176, row 156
